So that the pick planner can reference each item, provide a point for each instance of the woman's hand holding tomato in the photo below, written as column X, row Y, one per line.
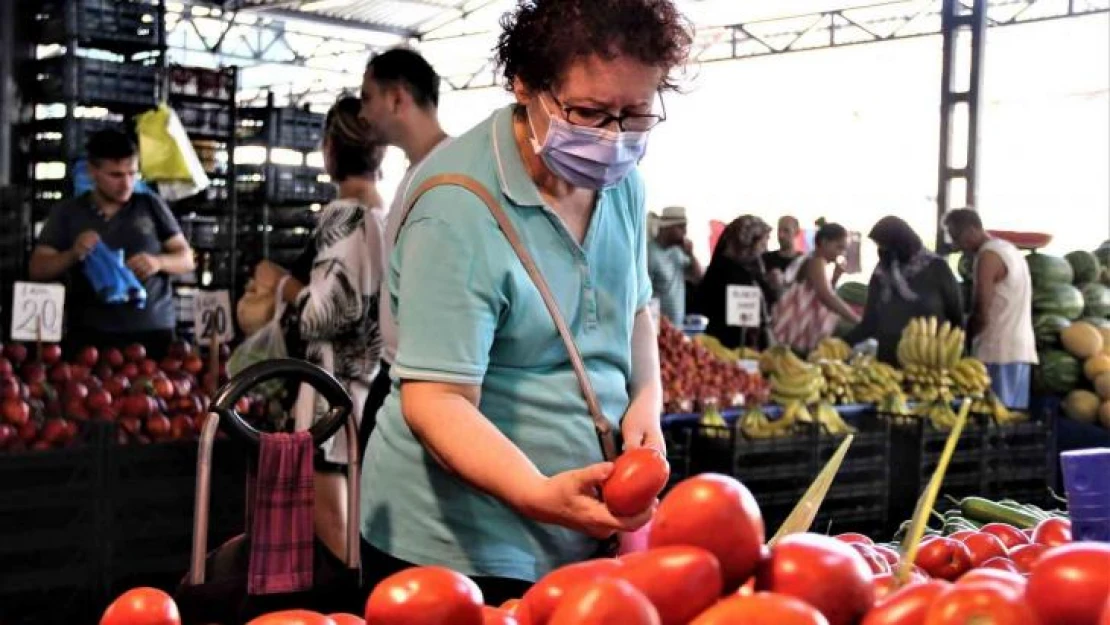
column 638, row 476
column 569, row 499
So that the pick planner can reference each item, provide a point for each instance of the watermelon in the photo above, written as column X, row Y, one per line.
column 854, row 293
column 966, row 267
column 1045, row 270
column 1058, row 299
column 1047, row 329
column 1103, row 254
column 1096, row 300
column 1085, row 266
column 1059, row 371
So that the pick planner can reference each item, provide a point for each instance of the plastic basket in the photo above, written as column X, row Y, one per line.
column 291, row 128
column 118, row 25
column 859, row 498
column 94, row 81
column 1019, row 462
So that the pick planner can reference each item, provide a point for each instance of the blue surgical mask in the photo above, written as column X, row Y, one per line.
column 591, row 158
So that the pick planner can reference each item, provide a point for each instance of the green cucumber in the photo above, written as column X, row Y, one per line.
column 987, row 511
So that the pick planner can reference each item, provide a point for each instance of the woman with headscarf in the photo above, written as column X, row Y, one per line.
column 909, row 282
column 737, row 262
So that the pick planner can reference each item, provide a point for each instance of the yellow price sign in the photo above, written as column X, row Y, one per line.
column 912, row 541
column 802, row 516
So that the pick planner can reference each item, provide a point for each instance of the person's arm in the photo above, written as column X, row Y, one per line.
column 49, row 264
column 989, row 271
column 640, row 425
column 815, row 277
column 867, row 326
column 694, row 270
column 56, row 252
column 176, row 257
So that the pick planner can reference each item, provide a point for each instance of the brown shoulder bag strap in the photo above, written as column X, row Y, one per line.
column 605, row 434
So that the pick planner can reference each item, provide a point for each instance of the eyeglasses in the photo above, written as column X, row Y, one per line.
column 597, row 118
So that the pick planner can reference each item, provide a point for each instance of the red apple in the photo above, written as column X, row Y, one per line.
column 98, row 400
column 51, row 353
column 130, row 425
column 117, row 385
column 170, row 365
column 130, row 370
column 88, row 357
column 113, row 358
column 55, row 431
column 28, row 432
column 6, row 369
column 51, row 407
column 33, row 372
column 148, row 367
column 15, row 412
column 10, row 388
column 107, row 413
column 138, row 406
column 73, row 430
column 16, row 352
column 61, row 373
column 135, row 353
column 76, row 390
column 163, row 388
column 158, row 426
column 182, row 386
column 8, row 435
column 193, row 363
column 75, row 409
column 179, row 350
column 79, row 372
column 182, row 427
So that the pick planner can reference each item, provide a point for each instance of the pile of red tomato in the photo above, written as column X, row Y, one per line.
column 707, row 563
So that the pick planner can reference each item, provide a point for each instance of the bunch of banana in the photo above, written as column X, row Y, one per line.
column 873, row 381
column 747, row 353
column 714, row 347
column 830, row 419
column 801, row 385
column 924, row 344
column 712, row 424
column 780, row 359
column 991, row 405
column 894, row 404
column 755, row 424
column 970, row 379
column 939, row 413
column 831, row 348
column 840, row 382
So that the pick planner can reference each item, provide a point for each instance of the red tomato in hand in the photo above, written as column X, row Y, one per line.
column 681, row 582
column 824, row 572
column 718, row 514
column 496, row 616
column 1001, row 564
column 346, row 619
column 1007, row 578
column 980, row 603
column 607, row 601
column 853, row 537
column 1008, row 534
column 875, row 562
column 907, row 605
column 983, row 547
column 293, row 617
column 638, row 477
column 1052, row 532
column 944, row 558
column 1025, row 556
column 142, row 606
column 762, row 608
column 1070, row 584
column 540, row 601
column 426, row 595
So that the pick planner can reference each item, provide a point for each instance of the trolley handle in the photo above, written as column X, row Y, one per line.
column 286, row 368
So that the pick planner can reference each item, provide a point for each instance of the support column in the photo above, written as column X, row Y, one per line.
column 963, row 30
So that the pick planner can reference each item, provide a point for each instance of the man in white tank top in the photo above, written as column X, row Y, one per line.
column 1001, row 324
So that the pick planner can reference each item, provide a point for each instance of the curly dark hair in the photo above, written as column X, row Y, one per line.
column 541, row 38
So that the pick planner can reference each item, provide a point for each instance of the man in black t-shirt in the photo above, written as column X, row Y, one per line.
column 138, row 224
column 777, row 262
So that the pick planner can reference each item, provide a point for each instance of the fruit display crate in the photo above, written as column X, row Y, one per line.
column 915, row 450
column 118, row 25
column 284, row 184
column 1020, row 462
column 81, row 523
column 205, row 232
column 286, row 127
column 93, row 82
column 859, row 498
column 58, row 138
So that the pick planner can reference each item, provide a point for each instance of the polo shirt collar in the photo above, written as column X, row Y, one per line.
column 515, row 182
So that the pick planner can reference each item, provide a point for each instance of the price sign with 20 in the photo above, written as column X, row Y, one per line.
column 37, row 311
column 212, row 316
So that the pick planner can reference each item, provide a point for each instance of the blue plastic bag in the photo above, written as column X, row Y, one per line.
column 111, row 279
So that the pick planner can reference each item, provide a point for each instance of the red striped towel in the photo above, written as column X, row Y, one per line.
column 282, row 529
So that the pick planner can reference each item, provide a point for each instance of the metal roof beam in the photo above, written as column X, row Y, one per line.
column 327, row 20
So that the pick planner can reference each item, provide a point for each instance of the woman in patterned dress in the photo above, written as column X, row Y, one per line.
column 333, row 300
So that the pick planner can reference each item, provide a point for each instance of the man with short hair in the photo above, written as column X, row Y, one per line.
column 140, row 225
column 1001, row 324
column 671, row 263
column 400, row 100
column 782, row 264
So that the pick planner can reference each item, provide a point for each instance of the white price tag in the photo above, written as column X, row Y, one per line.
column 37, row 311
column 212, row 316
column 744, row 306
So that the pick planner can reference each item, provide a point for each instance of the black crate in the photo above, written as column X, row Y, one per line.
column 206, row 233
column 776, row 470
column 859, row 498
column 295, row 238
column 199, row 84
column 282, row 184
column 1019, row 462
column 293, row 217
column 94, row 82
column 291, row 128
column 64, row 140
column 118, row 25
column 915, row 450
column 204, row 121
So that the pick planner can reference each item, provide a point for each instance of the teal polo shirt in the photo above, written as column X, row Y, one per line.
column 469, row 314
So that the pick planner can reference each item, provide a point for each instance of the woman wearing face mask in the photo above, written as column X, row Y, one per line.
column 485, row 458
column 737, row 260
column 909, row 282
column 809, row 309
